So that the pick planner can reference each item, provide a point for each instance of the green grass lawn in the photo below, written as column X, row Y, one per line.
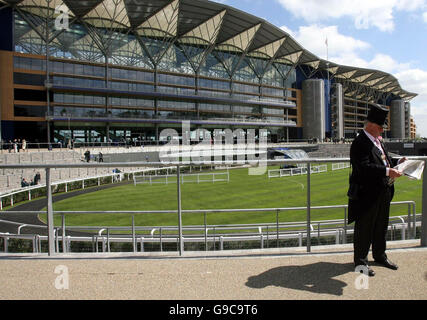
column 243, row 191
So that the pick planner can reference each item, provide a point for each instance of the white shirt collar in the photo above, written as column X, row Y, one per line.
column 371, row 137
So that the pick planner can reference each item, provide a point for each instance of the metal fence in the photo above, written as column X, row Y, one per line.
column 308, row 208
column 402, row 227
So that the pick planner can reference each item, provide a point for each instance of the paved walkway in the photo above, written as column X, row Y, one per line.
column 275, row 274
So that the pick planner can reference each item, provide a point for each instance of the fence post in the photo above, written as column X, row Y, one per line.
column 5, row 244
column 50, row 231
column 161, row 239
column 277, row 228
column 414, row 229
column 108, row 239
column 424, row 212
column 34, row 244
column 178, row 179
column 64, row 247
column 133, row 234
column 344, row 240
column 142, row 244
column 206, row 232
column 308, row 208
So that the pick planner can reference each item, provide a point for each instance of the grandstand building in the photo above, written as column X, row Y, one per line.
column 107, row 70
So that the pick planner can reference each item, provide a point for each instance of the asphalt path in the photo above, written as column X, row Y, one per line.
column 260, row 275
column 37, row 205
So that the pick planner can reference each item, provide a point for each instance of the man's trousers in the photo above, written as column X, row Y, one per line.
column 371, row 229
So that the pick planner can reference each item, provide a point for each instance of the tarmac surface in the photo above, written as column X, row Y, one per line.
column 327, row 273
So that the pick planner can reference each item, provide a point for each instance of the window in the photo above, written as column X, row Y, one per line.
column 29, row 111
column 177, row 105
column 29, row 63
column 30, row 95
column 178, row 80
column 29, row 79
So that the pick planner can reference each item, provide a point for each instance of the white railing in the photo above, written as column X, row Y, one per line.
column 279, row 173
column 115, row 178
column 340, row 166
column 207, row 234
column 179, row 211
column 185, row 178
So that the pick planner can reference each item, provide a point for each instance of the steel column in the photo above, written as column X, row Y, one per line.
column 178, row 179
column 424, row 211
column 308, row 208
column 64, row 247
column 50, row 231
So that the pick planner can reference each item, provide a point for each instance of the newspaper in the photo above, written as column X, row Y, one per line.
column 413, row 169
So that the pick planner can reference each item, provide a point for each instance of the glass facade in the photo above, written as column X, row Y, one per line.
column 141, row 67
column 98, row 71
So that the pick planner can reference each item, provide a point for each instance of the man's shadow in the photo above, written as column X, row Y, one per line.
column 316, row 277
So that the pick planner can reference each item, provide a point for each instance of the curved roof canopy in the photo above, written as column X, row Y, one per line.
column 206, row 23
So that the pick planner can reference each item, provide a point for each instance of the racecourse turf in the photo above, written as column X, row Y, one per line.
column 242, row 191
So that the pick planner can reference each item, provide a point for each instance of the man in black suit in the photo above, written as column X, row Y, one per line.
column 372, row 177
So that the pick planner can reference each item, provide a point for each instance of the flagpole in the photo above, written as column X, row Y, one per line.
column 327, row 49
column 327, row 72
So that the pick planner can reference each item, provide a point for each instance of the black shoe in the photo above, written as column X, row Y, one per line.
column 388, row 264
column 365, row 268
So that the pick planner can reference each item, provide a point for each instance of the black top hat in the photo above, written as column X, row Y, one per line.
column 378, row 115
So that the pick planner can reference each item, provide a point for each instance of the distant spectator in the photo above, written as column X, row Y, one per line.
column 70, row 144
column 24, row 145
column 100, row 157
column 10, row 146
column 117, row 175
column 15, row 146
column 87, row 155
column 37, row 178
column 24, row 183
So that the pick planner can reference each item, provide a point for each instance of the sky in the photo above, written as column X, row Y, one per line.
column 385, row 35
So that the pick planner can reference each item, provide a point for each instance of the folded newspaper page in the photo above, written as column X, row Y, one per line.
column 413, row 169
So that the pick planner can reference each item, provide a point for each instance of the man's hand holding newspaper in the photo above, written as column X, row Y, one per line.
column 413, row 169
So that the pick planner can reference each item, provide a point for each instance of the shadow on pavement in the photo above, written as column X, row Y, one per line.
column 317, row 278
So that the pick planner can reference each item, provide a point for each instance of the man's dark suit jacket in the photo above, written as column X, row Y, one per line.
column 369, row 172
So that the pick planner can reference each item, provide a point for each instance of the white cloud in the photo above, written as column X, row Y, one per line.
column 342, row 49
column 364, row 13
column 289, row 31
column 348, row 51
column 386, row 63
column 425, row 17
column 410, row 5
column 415, row 80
